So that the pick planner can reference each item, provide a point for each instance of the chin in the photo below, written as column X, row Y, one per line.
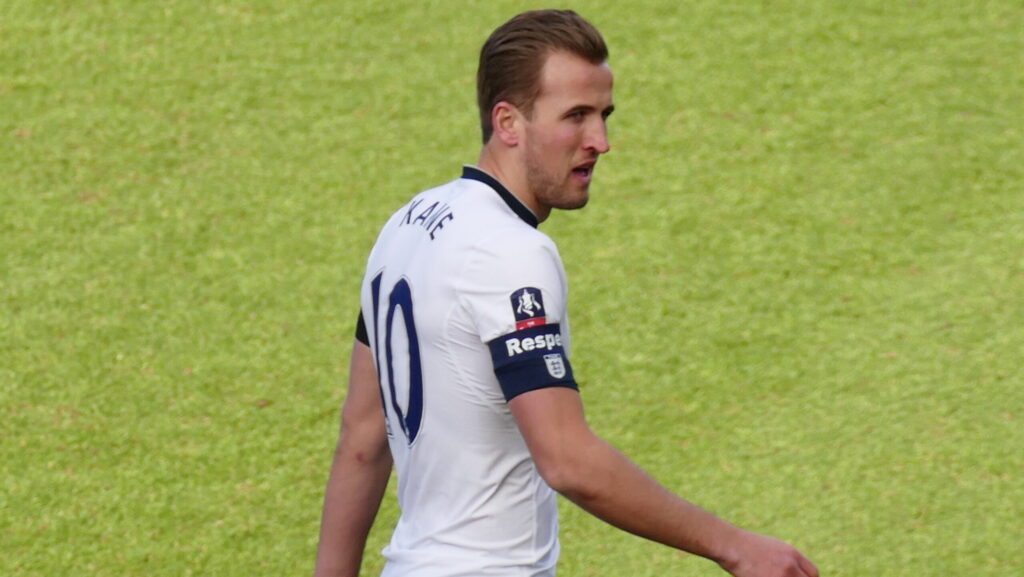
column 575, row 203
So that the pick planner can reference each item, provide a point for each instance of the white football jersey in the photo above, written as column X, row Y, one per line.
column 464, row 307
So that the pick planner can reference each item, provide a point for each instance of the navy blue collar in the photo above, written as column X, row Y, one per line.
column 474, row 173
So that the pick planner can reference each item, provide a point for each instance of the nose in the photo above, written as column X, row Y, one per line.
column 597, row 138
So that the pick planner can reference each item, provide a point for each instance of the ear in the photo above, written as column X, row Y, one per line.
column 507, row 122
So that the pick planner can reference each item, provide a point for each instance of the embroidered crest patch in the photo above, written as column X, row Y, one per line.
column 528, row 307
column 555, row 364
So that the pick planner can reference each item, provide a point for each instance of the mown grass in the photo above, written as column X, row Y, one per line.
column 794, row 293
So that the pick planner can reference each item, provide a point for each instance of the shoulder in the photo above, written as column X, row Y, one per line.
column 511, row 258
column 516, row 245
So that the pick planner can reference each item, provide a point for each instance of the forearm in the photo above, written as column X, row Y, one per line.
column 359, row 473
column 354, row 492
column 608, row 485
column 601, row 480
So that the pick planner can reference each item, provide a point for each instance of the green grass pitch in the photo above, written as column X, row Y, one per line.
column 796, row 293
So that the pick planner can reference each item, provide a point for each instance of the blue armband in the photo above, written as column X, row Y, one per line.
column 531, row 359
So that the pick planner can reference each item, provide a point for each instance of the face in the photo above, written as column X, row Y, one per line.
column 566, row 132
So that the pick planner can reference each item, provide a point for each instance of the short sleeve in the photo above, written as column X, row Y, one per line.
column 516, row 294
column 361, row 334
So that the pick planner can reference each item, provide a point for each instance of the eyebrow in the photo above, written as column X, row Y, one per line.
column 587, row 108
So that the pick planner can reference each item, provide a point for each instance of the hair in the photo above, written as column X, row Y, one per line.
column 513, row 56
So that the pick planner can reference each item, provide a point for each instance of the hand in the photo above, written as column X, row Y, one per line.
column 761, row 556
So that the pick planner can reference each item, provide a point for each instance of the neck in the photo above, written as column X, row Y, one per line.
column 510, row 173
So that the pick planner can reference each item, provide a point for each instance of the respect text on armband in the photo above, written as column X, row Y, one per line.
column 546, row 342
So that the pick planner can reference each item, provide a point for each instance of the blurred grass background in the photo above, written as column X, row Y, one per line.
column 795, row 293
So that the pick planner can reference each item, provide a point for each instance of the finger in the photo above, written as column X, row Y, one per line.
column 807, row 567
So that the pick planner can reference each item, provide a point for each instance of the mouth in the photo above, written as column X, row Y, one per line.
column 585, row 171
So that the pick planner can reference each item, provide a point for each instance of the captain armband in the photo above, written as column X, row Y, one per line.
column 531, row 359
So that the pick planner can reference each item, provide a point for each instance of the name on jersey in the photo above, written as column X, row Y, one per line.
column 432, row 218
column 544, row 342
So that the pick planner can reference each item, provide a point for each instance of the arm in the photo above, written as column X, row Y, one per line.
column 601, row 480
column 359, row 473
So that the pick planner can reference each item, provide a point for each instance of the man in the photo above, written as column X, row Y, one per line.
column 460, row 375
